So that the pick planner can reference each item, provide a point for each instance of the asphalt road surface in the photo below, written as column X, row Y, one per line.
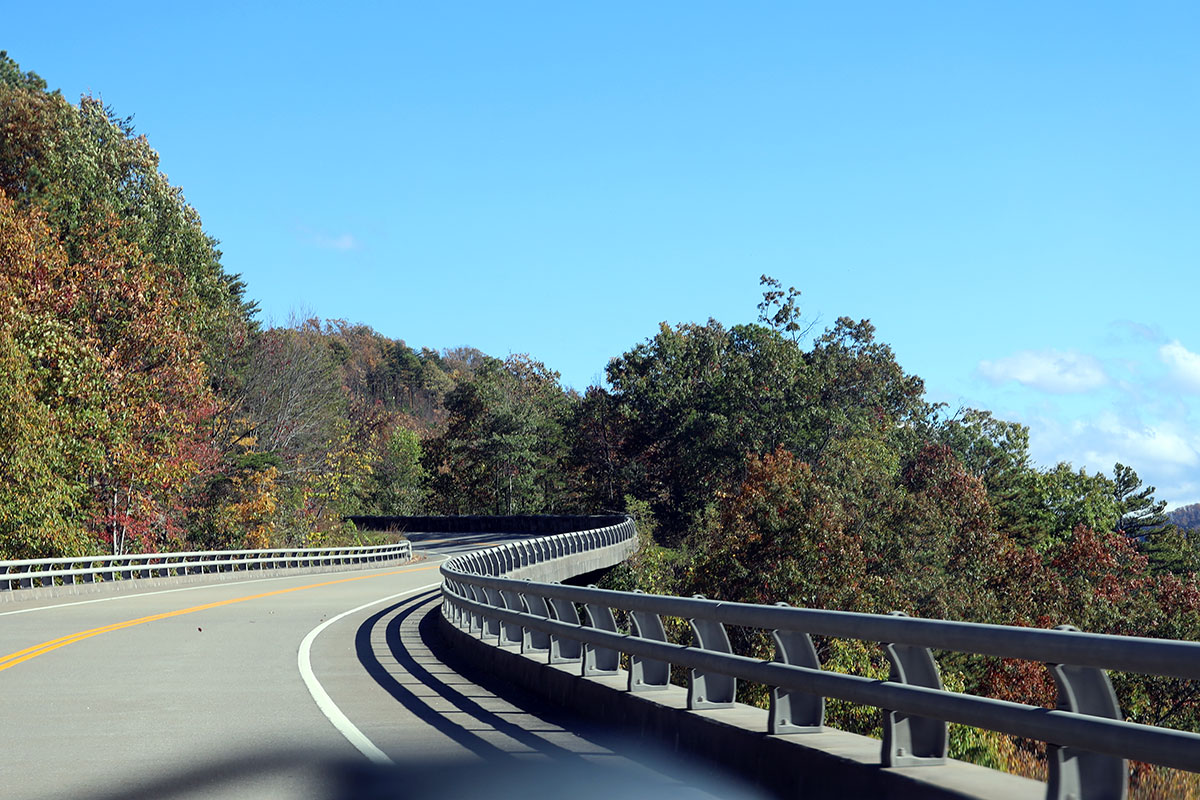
column 331, row 685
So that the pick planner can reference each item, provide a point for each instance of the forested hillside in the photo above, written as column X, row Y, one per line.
column 145, row 408
column 1186, row 517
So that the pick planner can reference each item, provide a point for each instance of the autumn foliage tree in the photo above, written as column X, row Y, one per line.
column 113, row 293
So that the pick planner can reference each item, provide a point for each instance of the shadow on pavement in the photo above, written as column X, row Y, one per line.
column 407, row 662
column 601, row 767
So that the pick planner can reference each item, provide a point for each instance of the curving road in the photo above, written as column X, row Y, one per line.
column 331, row 685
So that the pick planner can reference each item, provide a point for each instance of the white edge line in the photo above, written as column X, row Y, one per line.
column 324, row 702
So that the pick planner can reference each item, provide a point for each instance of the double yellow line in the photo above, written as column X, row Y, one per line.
column 12, row 659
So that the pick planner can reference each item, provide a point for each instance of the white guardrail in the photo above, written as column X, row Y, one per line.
column 1089, row 741
column 73, row 571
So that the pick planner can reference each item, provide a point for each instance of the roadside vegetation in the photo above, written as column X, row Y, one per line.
column 146, row 408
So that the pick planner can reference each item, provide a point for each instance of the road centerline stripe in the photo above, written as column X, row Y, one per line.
column 21, row 656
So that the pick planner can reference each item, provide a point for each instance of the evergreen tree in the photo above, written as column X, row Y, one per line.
column 1141, row 516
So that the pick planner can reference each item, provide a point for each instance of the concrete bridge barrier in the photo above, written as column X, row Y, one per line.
column 502, row 607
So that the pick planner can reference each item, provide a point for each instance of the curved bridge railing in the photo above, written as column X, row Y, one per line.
column 484, row 596
column 47, row 573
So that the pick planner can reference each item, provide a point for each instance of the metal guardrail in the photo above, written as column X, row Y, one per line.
column 47, row 572
column 1088, row 739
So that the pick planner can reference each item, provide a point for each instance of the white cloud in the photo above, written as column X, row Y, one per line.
column 1179, row 494
column 1165, row 453
column 343, row 241
column 1047, row 370
column 1183, row 364
column 1160, row 444
column 1147, row 415
column 327, row 241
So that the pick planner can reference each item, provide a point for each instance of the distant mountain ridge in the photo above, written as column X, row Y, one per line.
column 1186, row 517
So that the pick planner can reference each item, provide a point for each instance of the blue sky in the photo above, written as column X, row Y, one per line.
column 1009, row 191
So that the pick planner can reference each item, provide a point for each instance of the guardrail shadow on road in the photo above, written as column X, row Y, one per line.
column 402, row 647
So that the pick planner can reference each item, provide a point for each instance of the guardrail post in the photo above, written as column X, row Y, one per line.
column 458, row 613
column 491, row 625
column 791, row 711
column 599, row 660
column 707, row 690
column 562, row 649
column 644, row 673
column 910, row 741
column 475, row 624
column 511, row 632
column 450, row 591
column 1076, row 774
column 535, row 641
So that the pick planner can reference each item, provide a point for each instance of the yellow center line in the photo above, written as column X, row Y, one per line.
column 12, row 659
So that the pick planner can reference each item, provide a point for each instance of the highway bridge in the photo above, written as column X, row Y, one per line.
column 454, row 664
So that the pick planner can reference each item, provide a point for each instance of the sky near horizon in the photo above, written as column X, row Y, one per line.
column 1009, row 191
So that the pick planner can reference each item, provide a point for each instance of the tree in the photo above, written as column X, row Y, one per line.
column 1173, row 551
column 1065, row 499
column 783, row 536
column 503, row 449
column 780, row 312
column 856, row 387
column 1141, row 517
column 81, row 165
column 122, row 314
column 12, row 75
column 996, row 452
column 694, row 400
column 113, row 360
column 290, row 400
column 598, row 469
column 33, row 463
column 397, row 485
